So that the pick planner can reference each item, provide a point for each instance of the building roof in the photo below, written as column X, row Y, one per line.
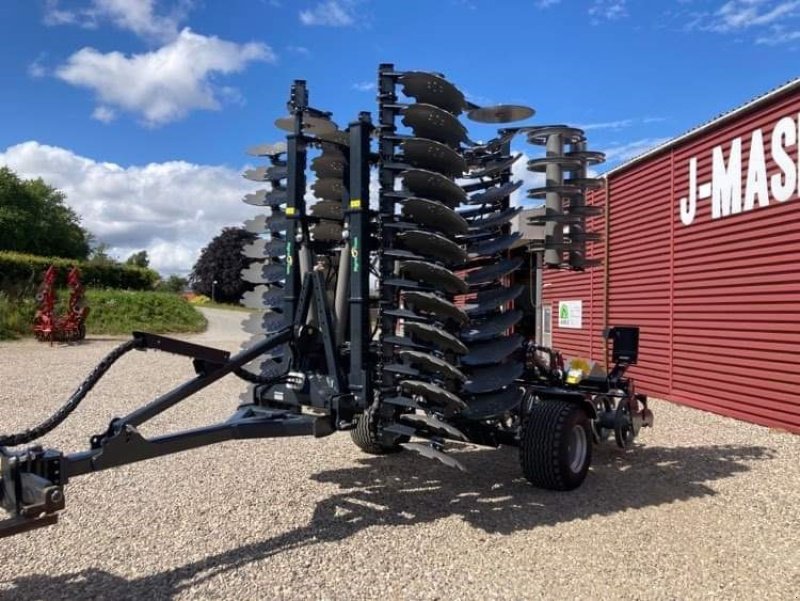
column 750, row 105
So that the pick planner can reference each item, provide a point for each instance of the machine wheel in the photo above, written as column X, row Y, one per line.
column 556, row 445
column 365, row 435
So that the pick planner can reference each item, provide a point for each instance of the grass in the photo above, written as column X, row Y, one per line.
column 110, row 312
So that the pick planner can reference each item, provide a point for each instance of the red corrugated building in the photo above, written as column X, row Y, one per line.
column 702, row 251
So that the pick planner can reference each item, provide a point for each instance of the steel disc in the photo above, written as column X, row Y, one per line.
column 433, row 245
column 427, row 302
column 329, row 165
column 261, row 224
column 431, row 393
column 566, row 163
column 494, row 405
column 435, row 215
column 267, row 150
column 492, row 327
column 266, row 198
column 429, row 184
column 570, row 135
column 495, row 377
column 592, row 157
column 428, row 121
column 311, row 124
column 265, row 174
column 328, row 188
column 429, row 452
column 495, row 194
column 433, row 275
column 434, row 156
column 264, row 322
column 433, row 424
column 429, row 363
column 490, row 300
column 261, row 273
column 492, row 272
column 501, row 113
column 493, row 246
column 428, row 88
column 261, row 248
column 492, row 352
column 436, row 336
column 493, row 167
column 262, row 297
column 339, row 137
column 327, row 231
column 328, row 209
column 495, row 219
column 563, row 190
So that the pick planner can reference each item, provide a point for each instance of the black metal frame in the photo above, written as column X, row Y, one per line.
column 342, row 380
column 32, row 480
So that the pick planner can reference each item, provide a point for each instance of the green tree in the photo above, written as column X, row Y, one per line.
column 139, row 259
column 99, row 255
column 34, row 219
column 222, row 261
column 173, row 283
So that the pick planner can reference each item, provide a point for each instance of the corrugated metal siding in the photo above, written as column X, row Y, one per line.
column 639, row 266
column 736, row 306
column 718, row 301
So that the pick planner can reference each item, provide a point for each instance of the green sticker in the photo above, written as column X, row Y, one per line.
column 354, row 254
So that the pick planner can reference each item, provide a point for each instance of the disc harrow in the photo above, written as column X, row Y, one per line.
column 397, row 316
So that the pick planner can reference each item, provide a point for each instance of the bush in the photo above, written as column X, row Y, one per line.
column 110, row 312
column 20, row 274
column 121, row 312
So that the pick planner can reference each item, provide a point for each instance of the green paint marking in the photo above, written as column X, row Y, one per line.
column 354, row 254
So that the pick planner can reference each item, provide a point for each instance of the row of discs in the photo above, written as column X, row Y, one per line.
column 453, row 360
column 565, row 166
column 268, row 269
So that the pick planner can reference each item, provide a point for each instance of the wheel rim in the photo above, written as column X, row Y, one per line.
column 576, row 450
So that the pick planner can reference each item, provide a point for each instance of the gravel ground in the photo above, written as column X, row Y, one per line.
column 704, row 508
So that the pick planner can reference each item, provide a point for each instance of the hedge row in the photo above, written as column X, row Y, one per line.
column 21, row 273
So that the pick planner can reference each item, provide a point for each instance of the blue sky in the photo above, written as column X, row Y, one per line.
column 140, row 109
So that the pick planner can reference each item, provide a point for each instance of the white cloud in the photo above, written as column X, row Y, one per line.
column 742, row 14
column 608, row 10
column 619, row 124
column 778, row 36
column 775, row 22
column 171, row 209
column 104, row 114
column 165, row 84
column 364, row 86
column 629, row 150
column 37, row 69
column 136, row 16
column 333, row 13
column 301, row 50
column 547, row 3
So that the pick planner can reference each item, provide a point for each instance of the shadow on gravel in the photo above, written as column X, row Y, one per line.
column 407, row 490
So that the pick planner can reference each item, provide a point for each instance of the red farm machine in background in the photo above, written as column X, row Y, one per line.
column 69, row 327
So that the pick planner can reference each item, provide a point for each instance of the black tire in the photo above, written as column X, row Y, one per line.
column 553, row 452
column 365, row 435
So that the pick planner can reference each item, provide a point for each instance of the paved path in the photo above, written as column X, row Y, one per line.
column 704, row 508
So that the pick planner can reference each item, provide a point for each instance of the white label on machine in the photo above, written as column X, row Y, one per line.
column 570, row 314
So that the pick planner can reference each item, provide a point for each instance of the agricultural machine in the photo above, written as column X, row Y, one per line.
column 434, row 356
column 69, row 327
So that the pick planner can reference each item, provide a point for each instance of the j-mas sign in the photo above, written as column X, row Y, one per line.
column 760, row 187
